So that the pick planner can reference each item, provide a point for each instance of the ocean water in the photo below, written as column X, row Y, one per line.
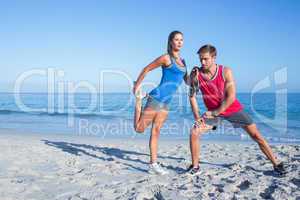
column 111, row 115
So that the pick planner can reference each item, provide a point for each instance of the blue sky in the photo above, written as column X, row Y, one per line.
column 82, row 38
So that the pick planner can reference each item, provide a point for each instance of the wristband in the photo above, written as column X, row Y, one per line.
column 214, row 113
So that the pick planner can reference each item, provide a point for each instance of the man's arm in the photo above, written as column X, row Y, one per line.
column 186, row 79
column 230, row 92
column 195, row 108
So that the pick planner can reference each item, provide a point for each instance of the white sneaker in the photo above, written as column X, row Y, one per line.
column 156, row 168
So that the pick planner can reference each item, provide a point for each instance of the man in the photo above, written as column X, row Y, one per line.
column 219, row 95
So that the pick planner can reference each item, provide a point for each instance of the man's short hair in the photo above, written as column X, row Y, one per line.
column 208, row 49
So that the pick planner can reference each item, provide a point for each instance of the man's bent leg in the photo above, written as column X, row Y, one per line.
column 194, row 145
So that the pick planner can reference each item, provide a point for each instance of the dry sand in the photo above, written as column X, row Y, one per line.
column 76, row 167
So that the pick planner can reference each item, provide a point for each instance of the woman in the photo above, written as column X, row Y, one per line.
column 157, row 106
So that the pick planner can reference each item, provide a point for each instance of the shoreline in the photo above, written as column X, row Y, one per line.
column 217, row 138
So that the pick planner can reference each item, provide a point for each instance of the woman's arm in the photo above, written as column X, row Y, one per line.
column 160, row 61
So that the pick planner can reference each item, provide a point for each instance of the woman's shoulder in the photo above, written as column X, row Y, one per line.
column 165, row 59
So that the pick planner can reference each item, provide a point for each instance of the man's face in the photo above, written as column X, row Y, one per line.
column 207, row 60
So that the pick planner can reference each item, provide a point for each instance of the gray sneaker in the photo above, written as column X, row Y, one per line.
column 192, row 171
column 280, row 169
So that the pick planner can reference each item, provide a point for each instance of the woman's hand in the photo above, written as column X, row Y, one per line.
column 135, row 87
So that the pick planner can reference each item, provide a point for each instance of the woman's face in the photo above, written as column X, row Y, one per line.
column 177, row 42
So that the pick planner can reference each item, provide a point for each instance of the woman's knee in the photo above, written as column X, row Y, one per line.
column 155, row 131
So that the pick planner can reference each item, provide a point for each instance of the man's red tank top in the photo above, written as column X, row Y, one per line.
column 213, row 93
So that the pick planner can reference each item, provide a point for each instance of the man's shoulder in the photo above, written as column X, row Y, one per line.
column 225, row 67
column 227, row 72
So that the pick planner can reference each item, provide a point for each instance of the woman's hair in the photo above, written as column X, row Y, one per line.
column 194, row 83
column 170, row 38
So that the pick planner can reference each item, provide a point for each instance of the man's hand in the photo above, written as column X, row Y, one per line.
column 199, row 123
column 210, row 114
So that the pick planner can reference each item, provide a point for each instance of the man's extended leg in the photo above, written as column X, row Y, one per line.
column 264, row 146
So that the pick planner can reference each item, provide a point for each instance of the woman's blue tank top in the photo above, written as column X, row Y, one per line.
column 172, row 77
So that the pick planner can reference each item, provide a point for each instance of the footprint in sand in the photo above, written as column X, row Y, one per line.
column 296, row 181
column 235, row 167
column 219, row 187
column 244, row 185
column 267, row 194
column 71, row 162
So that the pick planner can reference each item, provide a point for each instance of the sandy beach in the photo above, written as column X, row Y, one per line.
column 37, row 166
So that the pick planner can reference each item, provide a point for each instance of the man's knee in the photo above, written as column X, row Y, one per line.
column 259, row 139
column 255, row 135
column 195, row 133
